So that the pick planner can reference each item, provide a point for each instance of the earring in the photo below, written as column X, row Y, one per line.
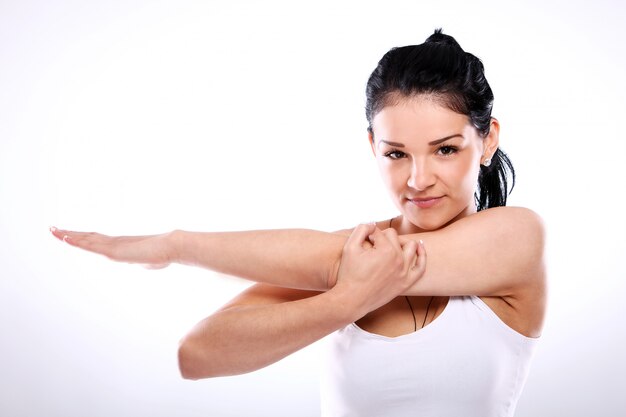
column 487, row 162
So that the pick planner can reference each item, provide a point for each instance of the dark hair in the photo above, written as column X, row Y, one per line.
column 440, row 68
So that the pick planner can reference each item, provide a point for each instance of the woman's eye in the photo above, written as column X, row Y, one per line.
column 394, row 154
column 447, row 150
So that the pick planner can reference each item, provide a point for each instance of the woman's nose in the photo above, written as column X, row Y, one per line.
column 421, row 176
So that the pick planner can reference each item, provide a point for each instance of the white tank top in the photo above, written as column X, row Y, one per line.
column 467, row 363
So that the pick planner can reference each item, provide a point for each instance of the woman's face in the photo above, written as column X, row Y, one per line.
column 429, row 158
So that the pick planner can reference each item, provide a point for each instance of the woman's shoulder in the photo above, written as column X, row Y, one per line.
column 520, row 227
column 521, row 230
column 516, row 236
column 516, row 219
column 513, row 212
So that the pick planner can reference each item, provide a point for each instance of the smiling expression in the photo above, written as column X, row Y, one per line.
column 429, row 158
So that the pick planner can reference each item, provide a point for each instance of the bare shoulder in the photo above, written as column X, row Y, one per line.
column 519, row 216
column 522, row 231
column 520, row 224
column 509, row 242
column 525, row 222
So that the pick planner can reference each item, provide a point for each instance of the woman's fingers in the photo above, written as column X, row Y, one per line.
column 414, row 260
column 66, row 235
column 58, row 233
column 113, row 247
column 91, row 241
column 387, row 238
column 152, row 251
column 376, row 275
column 61, row 234
column 359, row 235
column 409, row 253
column 420, row 265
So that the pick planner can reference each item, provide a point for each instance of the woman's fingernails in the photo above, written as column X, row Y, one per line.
column 53, row 229
column 66, row 238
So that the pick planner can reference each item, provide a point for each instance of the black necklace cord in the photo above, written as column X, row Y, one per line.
column 427, row 308
column 412, row 312
column 411, row 307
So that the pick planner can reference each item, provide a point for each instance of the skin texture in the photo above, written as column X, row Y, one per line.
column 359, row 275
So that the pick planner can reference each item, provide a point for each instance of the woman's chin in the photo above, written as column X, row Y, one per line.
column 419, row 224
column 429, row 219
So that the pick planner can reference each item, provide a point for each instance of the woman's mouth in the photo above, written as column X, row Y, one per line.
column 425, row 202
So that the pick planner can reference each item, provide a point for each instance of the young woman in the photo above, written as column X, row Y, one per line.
column 436, row 311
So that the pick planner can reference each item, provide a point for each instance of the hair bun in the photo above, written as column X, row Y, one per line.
column 439, row 37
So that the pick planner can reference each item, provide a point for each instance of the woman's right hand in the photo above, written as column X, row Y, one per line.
column 374, row 273
column 152, row 252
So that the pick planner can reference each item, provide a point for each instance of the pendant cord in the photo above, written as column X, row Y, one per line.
column 412, row 312
column 411, row 307
column 427, row 308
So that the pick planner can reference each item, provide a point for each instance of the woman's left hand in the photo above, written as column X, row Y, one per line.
column 152, row 252
column 375, row 267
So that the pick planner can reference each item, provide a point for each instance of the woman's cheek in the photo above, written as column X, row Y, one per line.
column 397, row 178
column 388, row 174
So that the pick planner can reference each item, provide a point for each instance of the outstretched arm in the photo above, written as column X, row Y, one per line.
column 293, row 258
column 493, row 252
column 490, row 253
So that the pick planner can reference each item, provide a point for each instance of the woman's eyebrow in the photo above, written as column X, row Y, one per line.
column 434, row 142
column 438, row 141
column 399, row 145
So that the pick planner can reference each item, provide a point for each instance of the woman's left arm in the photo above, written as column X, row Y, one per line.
column 492, row 252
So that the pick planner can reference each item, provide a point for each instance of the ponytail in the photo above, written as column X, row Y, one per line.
column 492, row 182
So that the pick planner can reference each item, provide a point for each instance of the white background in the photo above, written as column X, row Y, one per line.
column 136, row 117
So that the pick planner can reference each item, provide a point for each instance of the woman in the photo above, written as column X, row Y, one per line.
column 444, row 327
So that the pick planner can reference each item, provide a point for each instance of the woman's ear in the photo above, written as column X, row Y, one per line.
column 492, row 140
column 370, row 136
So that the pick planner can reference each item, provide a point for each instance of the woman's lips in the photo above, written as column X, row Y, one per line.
column 426, row 202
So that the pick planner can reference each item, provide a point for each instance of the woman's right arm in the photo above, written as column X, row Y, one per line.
column 266, row 323
column 259, row 327
column 293, row 258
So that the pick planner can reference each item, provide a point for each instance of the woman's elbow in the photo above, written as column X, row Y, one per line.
column 191, row 363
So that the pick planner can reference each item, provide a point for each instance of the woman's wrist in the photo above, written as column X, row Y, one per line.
column 347, row 306
column 175, row 240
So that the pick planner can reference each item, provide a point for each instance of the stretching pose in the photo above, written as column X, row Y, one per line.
column 434, row 312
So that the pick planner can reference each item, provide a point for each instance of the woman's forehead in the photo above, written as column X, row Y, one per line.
column 419, row 117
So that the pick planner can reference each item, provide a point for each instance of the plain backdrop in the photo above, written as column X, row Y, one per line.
column 140, row 117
